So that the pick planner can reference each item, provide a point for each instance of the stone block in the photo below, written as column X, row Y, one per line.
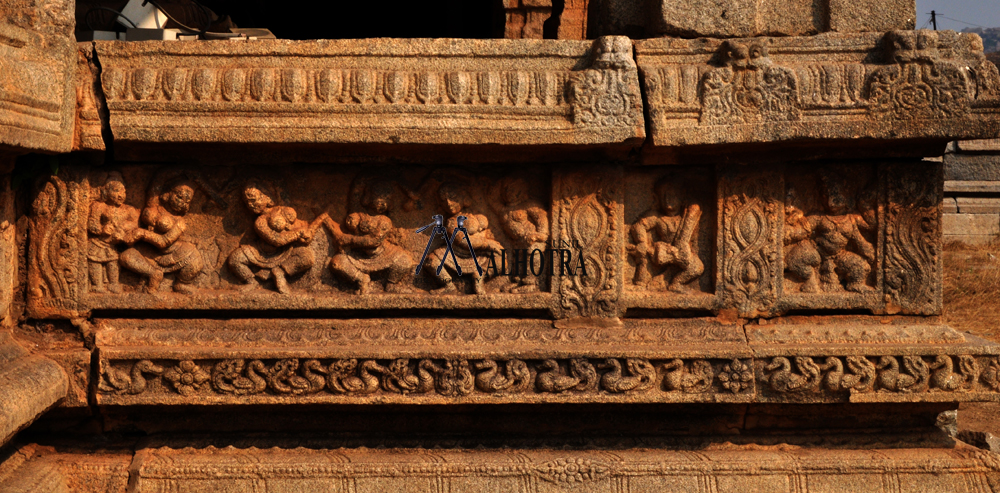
column 950, row 206
column 979, row 205
column 853, row 16
column 978, row 186
column 737, row 18
column 809, row 470
column 374, row 91
column 37, row 104
column 972, row 167
column 987, row 225
column 31, row 385
column 981, row 145
column 811, row 92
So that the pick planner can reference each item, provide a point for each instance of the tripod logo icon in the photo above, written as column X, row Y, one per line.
column 439, row 229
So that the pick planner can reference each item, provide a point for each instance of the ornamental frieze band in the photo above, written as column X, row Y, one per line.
column 655, row 245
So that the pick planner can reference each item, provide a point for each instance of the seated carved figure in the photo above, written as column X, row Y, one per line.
column 832, row 243
column 108, row 225
column 454, row 200
column 367, row 250
column 526, row 223
column 283, row 247
column 163, row 218
column 665, row 239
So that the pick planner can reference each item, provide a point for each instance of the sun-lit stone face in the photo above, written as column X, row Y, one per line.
column 178, row 199
column 256, row 200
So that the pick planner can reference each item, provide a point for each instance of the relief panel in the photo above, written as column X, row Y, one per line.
column 832, row 238
column 670, row 221
column 141, row 237
column 750, row 228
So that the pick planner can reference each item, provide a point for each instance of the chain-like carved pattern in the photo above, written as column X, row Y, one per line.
column 445, row 377
column 751, row 270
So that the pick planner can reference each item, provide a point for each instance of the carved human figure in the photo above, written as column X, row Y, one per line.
column 833, row 243
column 526, row 222
column 110, row 221
column 367, row 245
column 282, row 249
column 801, row 257
column 454, row 200
column 665, row 238
column 168, row 200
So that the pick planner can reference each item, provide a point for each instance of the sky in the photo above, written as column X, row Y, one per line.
column 984, row 13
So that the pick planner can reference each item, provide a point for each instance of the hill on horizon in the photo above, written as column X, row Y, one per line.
column 991, row 37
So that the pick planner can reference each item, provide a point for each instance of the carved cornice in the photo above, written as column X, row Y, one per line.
column 374, row 91
column 825, row 87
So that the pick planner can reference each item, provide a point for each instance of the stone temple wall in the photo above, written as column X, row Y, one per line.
column 698, row 253
column 972, row 192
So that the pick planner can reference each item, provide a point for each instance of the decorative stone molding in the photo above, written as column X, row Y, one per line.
column 545, row 470
column 374, row 91
column 819, row 88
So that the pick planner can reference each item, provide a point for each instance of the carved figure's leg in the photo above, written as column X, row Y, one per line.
column 111, row 268
column 341, row 265
column 692, row 267
column 299, row 261
column 280, row 281
column 133, row 260
column 642, row 274
column 445, row 280
column 828, row 275
column 239, row 263
column 854, row 271
column 191, row 264
column 401, row 266
column 96, row 271
column 802, row 260
column 529, row 283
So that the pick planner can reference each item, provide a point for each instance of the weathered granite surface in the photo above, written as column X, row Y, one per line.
column 31, row 385
column 880, row 92
column 377, row 91
column 591, row 242
column 37, row 103
column 766, row 317
column 746, row 18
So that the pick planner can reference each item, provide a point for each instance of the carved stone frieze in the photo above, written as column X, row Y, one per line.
column 824, row 87
column 173, row 468
column 405, row 379
column 586, row 245
column 442, row 379
column 374, row 91
column 913, row 377
column 156, row 238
